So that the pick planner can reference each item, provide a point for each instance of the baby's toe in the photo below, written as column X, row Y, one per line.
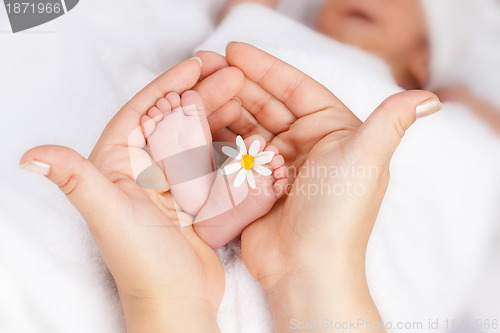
column 272, row 148
column 163, row 105
column 258, row 143
column 174, row 99
column 279, row 187
column 280, row 173
column 277, row 162
column 192, row 104
column 155, row 114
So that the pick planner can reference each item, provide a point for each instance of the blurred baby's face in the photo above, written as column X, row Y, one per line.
column 394, row 30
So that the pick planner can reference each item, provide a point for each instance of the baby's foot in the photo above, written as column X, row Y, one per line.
column 243, row 191
column 178, row 135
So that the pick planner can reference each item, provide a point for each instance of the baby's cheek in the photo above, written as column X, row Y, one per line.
column 327, row 19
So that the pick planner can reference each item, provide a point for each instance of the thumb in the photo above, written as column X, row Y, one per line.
column 87, row 189
column 382, row 132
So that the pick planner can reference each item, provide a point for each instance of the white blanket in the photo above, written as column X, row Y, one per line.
column 63, row 81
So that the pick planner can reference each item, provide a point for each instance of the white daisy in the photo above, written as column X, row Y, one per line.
column 247, row 162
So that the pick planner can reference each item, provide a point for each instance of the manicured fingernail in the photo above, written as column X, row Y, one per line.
column 238, row 100
column 429, row 107
column 37, row 167
column 197, row 59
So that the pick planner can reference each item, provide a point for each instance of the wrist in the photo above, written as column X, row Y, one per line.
column 151, row 314
column 329, row 288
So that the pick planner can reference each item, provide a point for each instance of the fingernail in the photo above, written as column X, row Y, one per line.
column 197, row 59
column 428, row 107
column 36, row 167
column 238, row 100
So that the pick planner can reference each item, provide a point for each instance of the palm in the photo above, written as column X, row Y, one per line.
column 269, row 243
column 136, row 229
column 146, row 233
column 308, row 124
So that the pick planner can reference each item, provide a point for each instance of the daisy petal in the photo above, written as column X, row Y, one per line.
column 240, row 178
column 265, row 153
column 231, row 152
column 262, row 170
column 231, row 168
column 263, row 159
column 241, row 145
column 254, row 148
column 251, row 179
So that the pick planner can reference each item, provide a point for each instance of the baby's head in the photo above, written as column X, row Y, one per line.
column 394, row 30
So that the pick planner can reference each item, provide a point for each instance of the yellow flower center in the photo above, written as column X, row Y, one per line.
column 247, row 162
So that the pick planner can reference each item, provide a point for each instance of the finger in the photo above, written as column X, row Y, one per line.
column 255, row 97
column 216, row 72
column 247, row 125
column 87, row 189
column 220, row 87
column 382, row 132
column 300, row 93
column 212, row 62
column 177, row 79
column 224, row 116
column 225, row 135
column 271, row 113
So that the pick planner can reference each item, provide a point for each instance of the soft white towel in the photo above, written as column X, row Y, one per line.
column 464, row 44
column 451, row 27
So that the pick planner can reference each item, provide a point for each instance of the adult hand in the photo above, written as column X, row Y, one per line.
column 166, row 276
column 309, row 250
